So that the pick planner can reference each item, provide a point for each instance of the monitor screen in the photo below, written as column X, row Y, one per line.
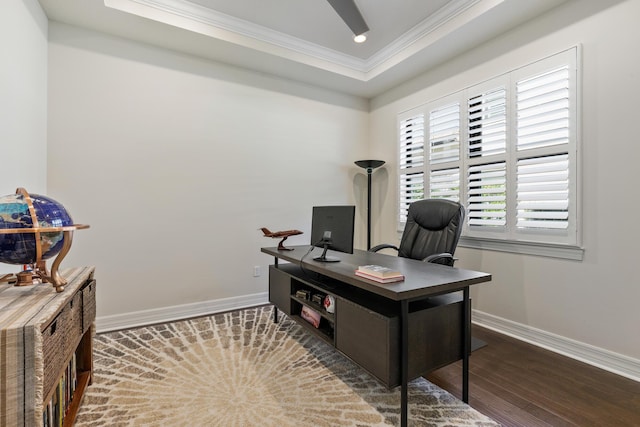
column 332, row 228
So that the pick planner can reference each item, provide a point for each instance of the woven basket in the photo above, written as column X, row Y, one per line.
column 74, row 326
column 88, row 305
column 53, row 348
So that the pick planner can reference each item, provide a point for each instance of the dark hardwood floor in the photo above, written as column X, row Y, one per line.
column 518, row 384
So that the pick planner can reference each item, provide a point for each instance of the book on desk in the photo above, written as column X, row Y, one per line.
column 379, row 274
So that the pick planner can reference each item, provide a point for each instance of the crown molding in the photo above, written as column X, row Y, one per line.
column 194, row 17
column 419, row 32
column 208, row 22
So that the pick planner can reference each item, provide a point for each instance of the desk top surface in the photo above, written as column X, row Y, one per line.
column 421, row 279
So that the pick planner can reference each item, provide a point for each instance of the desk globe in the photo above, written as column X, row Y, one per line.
column 33, row 229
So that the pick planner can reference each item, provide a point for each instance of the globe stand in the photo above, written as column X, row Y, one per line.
column 9, row 278
column 39, row 270
column 32, row 276
column 24, row 278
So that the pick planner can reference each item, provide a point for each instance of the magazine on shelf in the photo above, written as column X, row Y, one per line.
column 379, row 271
column 310, row 316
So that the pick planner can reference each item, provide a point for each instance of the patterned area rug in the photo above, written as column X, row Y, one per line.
column 240, row 369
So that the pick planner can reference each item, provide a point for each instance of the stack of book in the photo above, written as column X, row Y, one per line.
column 379, row 273
column 54, row 412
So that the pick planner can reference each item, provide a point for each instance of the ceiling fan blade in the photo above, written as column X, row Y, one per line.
column 350, row 14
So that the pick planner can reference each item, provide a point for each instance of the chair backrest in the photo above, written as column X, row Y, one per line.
column 433, row 227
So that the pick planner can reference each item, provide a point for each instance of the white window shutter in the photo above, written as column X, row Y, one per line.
column 413, row 185
column 487, row 195
column 411, row 163
column 444, row 134
column 445, row 184
column 508, row 149
column 543, row 109
column 543, row 192
column 487, row 123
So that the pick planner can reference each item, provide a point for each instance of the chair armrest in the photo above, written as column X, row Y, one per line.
column 383, row 246
column 443, row 258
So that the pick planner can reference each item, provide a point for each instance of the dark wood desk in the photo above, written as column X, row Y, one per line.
column 414, row 326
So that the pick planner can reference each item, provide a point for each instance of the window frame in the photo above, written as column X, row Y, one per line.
column 562, row 243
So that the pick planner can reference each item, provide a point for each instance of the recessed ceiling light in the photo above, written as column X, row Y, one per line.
column 360, row 38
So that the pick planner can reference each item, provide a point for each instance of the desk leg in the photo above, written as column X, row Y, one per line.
column 275, row 309
column 404, row 368
column 466, row 344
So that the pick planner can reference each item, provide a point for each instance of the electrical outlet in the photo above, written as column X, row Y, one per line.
column 256, row 271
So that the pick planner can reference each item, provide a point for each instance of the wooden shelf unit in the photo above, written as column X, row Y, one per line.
column 46, row 336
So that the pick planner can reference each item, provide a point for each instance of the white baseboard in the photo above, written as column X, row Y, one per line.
column 601, row 358
column 178, row 312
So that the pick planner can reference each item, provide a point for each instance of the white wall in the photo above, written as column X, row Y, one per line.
column 175, row 162
column 23, row 99
column 595, row 301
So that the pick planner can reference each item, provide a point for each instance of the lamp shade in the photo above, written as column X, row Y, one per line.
column 369, row 164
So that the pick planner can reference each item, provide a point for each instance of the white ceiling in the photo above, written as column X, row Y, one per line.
column 306, row 40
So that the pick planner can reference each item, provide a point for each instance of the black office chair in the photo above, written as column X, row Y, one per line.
column 431, row 234
column 432, row 231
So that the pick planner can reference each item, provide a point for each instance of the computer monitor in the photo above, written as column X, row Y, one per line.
column 332, row 228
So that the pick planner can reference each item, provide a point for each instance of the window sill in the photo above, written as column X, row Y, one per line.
column 526, row 248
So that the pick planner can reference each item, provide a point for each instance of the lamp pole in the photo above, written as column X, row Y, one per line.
column 369, row 165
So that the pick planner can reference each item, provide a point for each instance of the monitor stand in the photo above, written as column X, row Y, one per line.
column 324, row 257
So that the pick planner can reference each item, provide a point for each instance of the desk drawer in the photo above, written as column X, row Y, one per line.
column 369, row 339
column 372, row 339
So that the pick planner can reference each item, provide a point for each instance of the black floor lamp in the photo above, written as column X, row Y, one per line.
column 369, row 165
